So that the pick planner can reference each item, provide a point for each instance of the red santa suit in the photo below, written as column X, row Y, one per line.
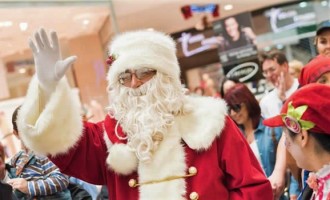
column 202, row 156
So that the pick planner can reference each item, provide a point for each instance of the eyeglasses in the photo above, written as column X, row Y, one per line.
column 269, row 71
column 125, row 78
column 236, row 108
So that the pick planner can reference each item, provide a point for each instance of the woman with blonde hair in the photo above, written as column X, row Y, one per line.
column 295, row 67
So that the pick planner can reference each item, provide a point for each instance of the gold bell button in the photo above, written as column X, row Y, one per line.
column 193, row 196
column 192, row 170
column 132, row 182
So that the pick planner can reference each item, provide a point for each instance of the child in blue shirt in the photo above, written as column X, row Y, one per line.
column 35, row 177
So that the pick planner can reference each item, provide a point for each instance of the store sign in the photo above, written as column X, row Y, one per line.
column 188, row 40
column 236, row 38
column 192, row 42
column 238, row 54
column 290, row 17
column 237, row 48
column 245, row 71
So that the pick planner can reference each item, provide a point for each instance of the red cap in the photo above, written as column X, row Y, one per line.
column 308, row 108
column 314, row 70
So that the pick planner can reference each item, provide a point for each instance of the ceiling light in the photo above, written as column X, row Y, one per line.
column 6, row 23
column 324, row 3
column 85, row 22
column 302, row 4
column 228, row 7
column 22, row 70
column 23, row 26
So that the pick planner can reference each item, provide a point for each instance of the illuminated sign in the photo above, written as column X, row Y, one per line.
column 244, row 71
column 192, row 42
column 290, row 17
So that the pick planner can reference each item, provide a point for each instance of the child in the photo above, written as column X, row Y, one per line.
column 307, row 132
column 35, row 177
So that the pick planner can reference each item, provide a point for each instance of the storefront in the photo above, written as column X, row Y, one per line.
column 288, row 27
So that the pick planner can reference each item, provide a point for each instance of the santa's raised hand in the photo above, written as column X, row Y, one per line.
column 50, row 67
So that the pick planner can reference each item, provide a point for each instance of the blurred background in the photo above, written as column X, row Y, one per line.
column 86, row 27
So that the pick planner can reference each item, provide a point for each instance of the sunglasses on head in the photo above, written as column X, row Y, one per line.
column 235, row 107
column 141, row 74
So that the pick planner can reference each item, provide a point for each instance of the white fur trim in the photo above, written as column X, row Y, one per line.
column 168, row 160
column 121, row 159
column 206, row 121
column 107, row 140
column 138, row 49
column 57, row 127
column 198, row 128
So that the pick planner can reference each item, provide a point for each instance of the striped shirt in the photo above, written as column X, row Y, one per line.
column 43, row 177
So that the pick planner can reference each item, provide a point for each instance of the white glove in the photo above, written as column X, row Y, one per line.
column 49, row 65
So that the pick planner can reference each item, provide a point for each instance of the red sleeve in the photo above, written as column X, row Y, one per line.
column 87, row 159
column 244, row 177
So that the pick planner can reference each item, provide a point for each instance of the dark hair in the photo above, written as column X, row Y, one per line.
column 275, row 55
column 14, row 118
column 318, row 33
column 224, row 80
column 322, row 139
column 239, row 28
column 241, row 94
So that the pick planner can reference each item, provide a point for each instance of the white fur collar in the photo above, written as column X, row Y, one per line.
column 198, row 129
column 206, row 121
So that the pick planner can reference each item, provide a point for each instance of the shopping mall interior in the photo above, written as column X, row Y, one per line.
column 85, row 29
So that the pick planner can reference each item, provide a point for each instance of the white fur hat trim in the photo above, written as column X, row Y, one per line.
column 137, row 49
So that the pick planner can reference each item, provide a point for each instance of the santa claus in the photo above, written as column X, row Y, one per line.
column 155, row 143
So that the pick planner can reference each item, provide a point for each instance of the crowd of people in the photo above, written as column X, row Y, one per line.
column 158, row 141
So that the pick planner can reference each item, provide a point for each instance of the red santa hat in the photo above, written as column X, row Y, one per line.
column 314, row 70
column 137, row 49
column 306, row 109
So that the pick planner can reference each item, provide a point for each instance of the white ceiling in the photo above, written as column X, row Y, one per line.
column 66, row 17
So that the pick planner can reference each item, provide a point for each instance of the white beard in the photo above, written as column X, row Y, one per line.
column 146, row 113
